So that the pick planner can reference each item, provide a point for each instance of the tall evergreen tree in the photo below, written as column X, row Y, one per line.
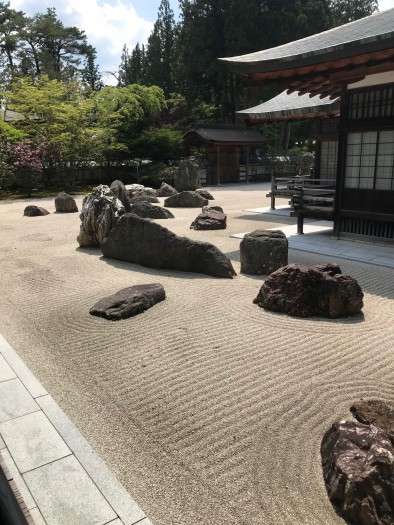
column 160, row 52
column 132, row 66
column 90, row 73
column 344, row 11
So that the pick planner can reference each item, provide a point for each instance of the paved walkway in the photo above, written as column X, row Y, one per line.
column 60, row 478
column 318, row 238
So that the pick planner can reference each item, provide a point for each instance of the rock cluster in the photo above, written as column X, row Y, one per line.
column 358, row 470
column 185, row 199
column 35, row 211
column 65, row 203
column 101, row 211
column 148, row 211
column 263, row 252
column 305, row 291
column 186, row 177
column 165, row 190
column 129, row 301
column 145, row 242
column 209, row 219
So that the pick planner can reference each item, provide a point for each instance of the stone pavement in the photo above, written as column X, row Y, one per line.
column 60, row 478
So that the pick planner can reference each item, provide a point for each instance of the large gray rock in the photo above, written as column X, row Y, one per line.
column 263, row 251
column 144, row 198
column 358, row 470
column 65, row 203
column 101, row 211
column 35, row 211
column 165, row 190
column 119, row 190
column 129, row 301
column 135, row 190
column 209, row 219
column 148, row 211
column 303, row 291
column 186, row 177
column 185, row 199
column 375, row 412
column 142, row 241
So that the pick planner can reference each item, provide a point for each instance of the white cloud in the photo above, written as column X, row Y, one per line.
column 385, row 4
column 108, row 25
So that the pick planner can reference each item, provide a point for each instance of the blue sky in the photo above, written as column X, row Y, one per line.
column 109, row 24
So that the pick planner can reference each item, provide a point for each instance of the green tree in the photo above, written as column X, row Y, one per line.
column 90, row 74
column 11, row 23
column 344, row 11
column 158, row 144
column 132, row 66
column 57, row 116
column 52, row 49
column 160, row 52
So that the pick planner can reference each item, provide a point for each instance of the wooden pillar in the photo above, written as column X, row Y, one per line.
column 217, row 165
column 247, row 163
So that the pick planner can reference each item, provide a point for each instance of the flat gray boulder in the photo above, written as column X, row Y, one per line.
column 210, row 219
column 35, row 211
column 141, row 241
column 149, row 211
column 165, row 190
column 358, row 470
column 185, row 199
column 129, row 302
column 65, row 203
column 101, row 210
column 144, row 198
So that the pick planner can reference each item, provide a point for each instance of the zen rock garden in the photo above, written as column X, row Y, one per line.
column 358, row 464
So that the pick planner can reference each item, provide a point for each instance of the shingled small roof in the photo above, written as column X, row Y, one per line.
column 293, row 106
column 222, row 134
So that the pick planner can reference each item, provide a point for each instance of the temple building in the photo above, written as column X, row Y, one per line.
column 354, row 62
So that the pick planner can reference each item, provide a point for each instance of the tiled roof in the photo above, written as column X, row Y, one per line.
column 293, row 105
column 225, row 133
column 364, row 35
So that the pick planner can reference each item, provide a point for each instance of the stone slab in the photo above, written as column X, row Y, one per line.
column 15, row 401
column 28, row 379
column 6, row 371
column 126, row 508
column 2, row 444
column 33, row 441
column 72, row 499
column 37, row 517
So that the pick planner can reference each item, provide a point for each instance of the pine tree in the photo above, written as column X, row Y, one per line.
column 90, row 74
column 345, row 11
column 132, row 66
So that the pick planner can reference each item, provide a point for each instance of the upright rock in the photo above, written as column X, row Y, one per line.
column 144, row 242
column 358, row 470
column 185, row 199
column 119, row 190
column 165, row 190
column 303, row 291
column 263, row 251
column 129, row 301
column 186, row 177
column 34, row 211
column 101, row 211
column 65, row 203
column 148, row 211
column 209, row 219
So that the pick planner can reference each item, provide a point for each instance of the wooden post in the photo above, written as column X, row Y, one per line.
column 247, row 163
column 218, row 165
